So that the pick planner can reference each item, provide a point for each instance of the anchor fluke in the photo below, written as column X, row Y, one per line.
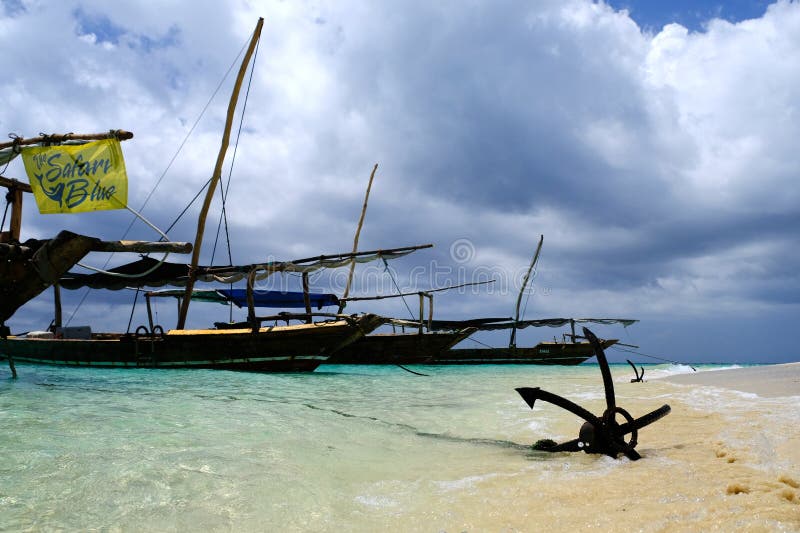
column 529, row 394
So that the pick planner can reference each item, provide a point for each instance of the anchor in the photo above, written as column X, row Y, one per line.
column 638, row 378
column 601, row 434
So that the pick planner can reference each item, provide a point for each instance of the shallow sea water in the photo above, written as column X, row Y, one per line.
column 377, row 448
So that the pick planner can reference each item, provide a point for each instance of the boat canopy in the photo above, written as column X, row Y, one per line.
column 260, row 298
column 149, row 272
column 491, row 324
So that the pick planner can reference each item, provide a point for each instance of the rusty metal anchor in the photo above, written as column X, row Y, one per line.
column 601, row 434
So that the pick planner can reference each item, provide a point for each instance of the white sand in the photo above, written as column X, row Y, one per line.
column 767, row 381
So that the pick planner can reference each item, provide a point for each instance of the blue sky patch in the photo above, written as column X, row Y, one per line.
column 13, row 8
column 99, row 25
column 693, row 14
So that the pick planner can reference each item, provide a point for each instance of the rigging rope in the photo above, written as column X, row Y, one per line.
column 411, row 371
column 224, row 190
column 186, row 139
column 163, row 174
column 621, row 349
column 391, row 275
column 185, row 209
column 481, row 343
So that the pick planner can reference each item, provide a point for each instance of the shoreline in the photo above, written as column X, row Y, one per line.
column 768, row 381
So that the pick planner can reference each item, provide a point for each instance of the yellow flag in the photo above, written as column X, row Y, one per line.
column 77, row 178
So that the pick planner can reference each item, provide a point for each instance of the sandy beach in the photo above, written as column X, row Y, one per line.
column 769, row 381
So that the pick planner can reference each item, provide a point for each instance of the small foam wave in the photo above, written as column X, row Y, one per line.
column 468, row 482
column 376, row 501
column 674, row 370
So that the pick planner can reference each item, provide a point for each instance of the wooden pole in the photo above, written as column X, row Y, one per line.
column 430, row 310
column 57, row 320
column 251, row 301
column 360, row 254
column 307, row 297
column 55, row 138
column 11, row 183
column 401, row 294
column 145, row 247
column 4, row 333
column 212, row 186
column 149, row 311
column 421, row 311
column 355, row 240
column 513, row 341
column 16, row 214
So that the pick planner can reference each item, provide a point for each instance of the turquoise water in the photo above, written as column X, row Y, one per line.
column 343, row 448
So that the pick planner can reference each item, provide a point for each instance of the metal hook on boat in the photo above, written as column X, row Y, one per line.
column 601, row 434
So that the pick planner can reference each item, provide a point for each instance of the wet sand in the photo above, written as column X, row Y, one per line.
column 768, row 381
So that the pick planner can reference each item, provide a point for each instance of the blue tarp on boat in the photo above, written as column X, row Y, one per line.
column 278, row 298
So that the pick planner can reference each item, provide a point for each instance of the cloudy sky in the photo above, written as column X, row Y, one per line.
column 655, row 148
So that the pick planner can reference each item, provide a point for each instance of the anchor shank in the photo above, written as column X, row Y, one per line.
column 608, row 383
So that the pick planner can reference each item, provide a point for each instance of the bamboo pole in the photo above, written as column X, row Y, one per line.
column 421, row 311
column 212, row 186
column 12, row 183
column 347, row 255
column 4, row 333
column 512, row 343
column 355, row 240
column 399, row 295
column 307, row 298
column 430, row 310
column 15, row 190
column 16, row 215
column 143, row 247
column 57, row 320
column 121, row 135
column 149, row 311
column 251, row 301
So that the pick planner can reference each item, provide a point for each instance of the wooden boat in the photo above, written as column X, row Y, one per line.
column 241, row 346
column 253, row 347
column 399, row 348
column 571, row 350
column 544, row 353
column 375, row 348
column 268, row 349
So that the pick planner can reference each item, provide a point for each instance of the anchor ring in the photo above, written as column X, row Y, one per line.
column 610, row 422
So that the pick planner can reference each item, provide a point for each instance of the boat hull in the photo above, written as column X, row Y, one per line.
column 398, row 348
column 544, row 353
column 299, row 348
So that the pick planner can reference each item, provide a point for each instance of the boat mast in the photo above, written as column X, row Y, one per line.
column 212, row 186
column 355, row 240
column 512, row 343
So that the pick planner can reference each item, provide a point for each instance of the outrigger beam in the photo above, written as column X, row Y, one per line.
column 145, row 247
column 55, row 138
